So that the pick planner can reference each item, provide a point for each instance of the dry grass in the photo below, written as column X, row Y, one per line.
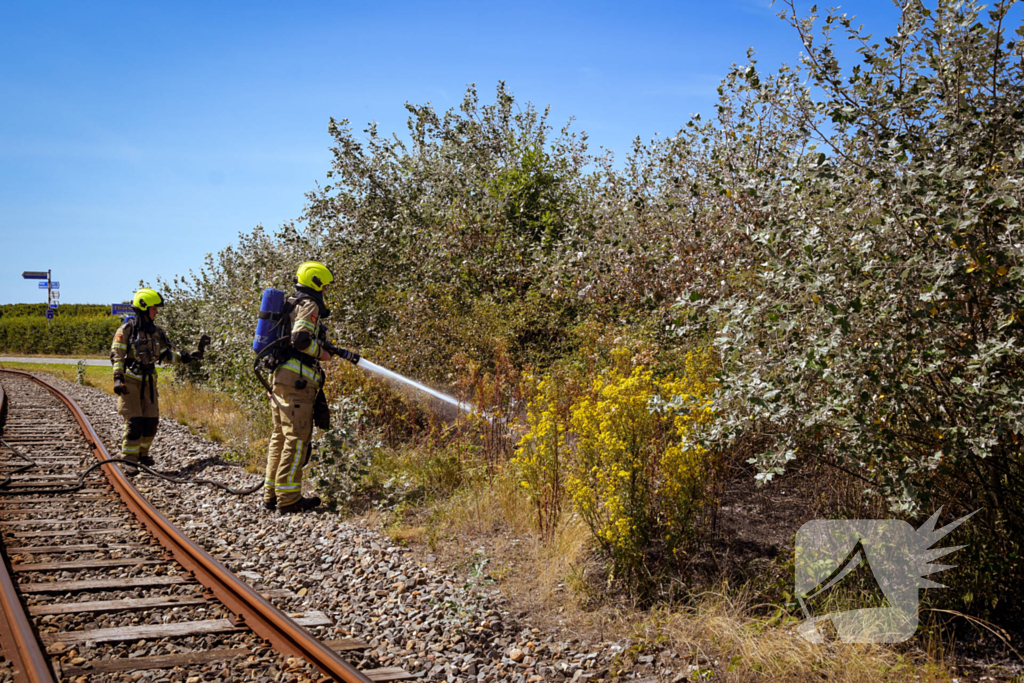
column 721, row 628
column 217, row 417
column 484, row 507
column 485, row 531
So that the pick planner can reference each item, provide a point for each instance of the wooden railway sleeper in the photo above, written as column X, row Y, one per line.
column 250, row 608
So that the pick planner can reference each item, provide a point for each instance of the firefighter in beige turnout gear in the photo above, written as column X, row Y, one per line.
column 137, row 347
column 298, row 400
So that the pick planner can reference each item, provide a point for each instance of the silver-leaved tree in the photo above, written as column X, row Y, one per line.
column 874, row 319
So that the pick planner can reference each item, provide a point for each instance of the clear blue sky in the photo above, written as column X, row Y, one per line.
column 137, row 137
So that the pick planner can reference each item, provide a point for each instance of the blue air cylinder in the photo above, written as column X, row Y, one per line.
column 270, row 314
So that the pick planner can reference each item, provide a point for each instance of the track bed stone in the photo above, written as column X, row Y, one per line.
column 434, row 625
column 57, row 541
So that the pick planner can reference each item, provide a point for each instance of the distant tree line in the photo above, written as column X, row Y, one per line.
column 39, row 310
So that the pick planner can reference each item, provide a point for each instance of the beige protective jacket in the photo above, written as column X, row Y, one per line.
column 134, row 356
column 306, row 330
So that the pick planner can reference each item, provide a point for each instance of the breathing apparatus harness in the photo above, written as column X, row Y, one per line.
column 272, row 342
column 144, row 362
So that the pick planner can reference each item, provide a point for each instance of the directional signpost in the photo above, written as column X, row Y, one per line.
column 124, row 310
column 52, row 295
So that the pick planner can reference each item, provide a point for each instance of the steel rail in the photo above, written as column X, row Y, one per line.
column 17, row 638
column 249, row 607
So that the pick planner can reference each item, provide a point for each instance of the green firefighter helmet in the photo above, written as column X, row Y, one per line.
column 146, row 299
column 314, row 275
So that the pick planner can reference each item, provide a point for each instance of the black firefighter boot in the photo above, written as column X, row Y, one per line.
column 301, row 505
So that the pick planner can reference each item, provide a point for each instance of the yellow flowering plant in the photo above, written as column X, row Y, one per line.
column 540, row 456
column 632, row 467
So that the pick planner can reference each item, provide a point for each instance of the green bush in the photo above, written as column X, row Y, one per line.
column 849, row 238
column 444, row 248
column 65, row 335
column 875, row 319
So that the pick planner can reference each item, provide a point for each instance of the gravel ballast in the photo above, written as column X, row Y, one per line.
column 54, row 538
column 430, row 623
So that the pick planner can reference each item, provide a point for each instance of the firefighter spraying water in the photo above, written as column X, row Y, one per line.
column 273, row 299
column 291, row 342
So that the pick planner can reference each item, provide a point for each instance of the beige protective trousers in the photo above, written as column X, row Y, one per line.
column 293, row 426
column 141, row 413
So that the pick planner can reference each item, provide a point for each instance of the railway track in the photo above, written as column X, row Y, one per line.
column 97, row 583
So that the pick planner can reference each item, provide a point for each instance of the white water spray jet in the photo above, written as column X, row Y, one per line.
column 384, row 372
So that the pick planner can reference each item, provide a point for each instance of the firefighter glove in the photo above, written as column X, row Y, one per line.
column 321, row 411
column 119, row 388
column 339, row 352
column 204, row 341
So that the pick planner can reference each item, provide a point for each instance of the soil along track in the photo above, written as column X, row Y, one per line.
column 413, row 616
column 75, row 549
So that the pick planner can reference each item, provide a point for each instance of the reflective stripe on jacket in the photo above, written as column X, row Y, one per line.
column 310, row 374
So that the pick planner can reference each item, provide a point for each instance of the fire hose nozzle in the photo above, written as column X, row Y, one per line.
column 204, row 341
column 350, row 356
